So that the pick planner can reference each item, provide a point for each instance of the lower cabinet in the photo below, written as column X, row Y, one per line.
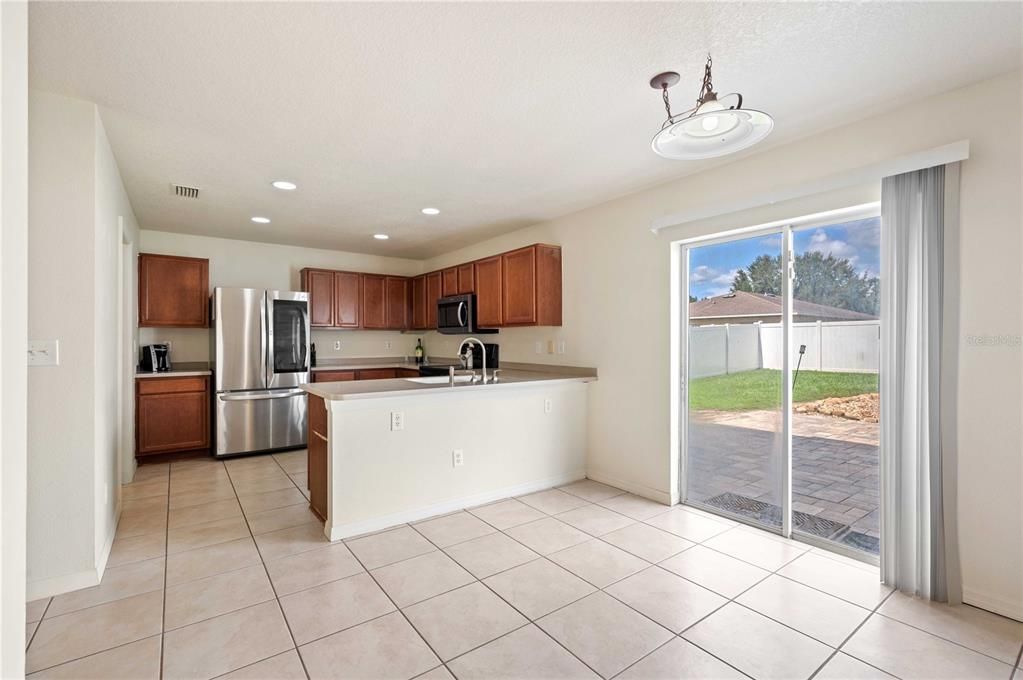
column 318, row 450
column 333, row 376
column 365, row 374
column 376, row 374
column 172, row 414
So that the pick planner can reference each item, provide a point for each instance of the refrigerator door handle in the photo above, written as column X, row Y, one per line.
column 262, row 395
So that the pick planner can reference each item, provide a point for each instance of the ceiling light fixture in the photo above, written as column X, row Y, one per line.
column 431, row 211
column 261, row 220
column 710, row 129
column 284, row 185
column 381, row 237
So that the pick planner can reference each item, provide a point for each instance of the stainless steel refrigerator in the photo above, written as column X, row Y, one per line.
column 260, row 357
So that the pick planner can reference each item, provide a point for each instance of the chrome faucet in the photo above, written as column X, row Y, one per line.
column 483, row 353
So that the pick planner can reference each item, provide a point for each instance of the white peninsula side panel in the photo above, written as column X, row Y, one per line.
column 512, row 442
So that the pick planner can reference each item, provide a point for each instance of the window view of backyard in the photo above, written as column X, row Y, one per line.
column 735, row 352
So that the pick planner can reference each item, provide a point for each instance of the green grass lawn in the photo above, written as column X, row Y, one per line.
column 761, row 389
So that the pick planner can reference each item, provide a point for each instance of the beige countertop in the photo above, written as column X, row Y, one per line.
column 399, row 387
column 178, row 370
column 371, row 363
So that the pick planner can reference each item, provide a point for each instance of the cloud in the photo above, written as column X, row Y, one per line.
column 821, row 243
column 865, row 234
column 708, row 281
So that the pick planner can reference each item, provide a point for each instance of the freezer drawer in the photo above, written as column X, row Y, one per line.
column 260, row 420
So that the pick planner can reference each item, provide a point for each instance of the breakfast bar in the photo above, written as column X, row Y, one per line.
column 386, row 452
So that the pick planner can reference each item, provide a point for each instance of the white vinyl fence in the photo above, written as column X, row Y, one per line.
column 847, row 346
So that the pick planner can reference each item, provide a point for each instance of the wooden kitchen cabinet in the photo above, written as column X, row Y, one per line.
column 418, row 303
column 449, row 281
column 407, row 373
column 374, row 314
column 171, row 414
column 333, row 376
column 319, row 283
column 466, row 278
column 174, row 292
column 396, row 302
column 531, row 286
column 347, row 299
column 489, row 298
column 376, row 374
column 317, row 452
column 434, row 289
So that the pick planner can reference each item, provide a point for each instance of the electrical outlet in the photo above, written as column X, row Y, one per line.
column 538, row 347
column 548, row 406
column 387, row 344
column 562, row 345
column 457, row 458
column 397, row 421
column 170, row 345
column 337, row 345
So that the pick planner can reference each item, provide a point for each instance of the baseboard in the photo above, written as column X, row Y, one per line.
column 338, row 532
column 104, row 553
column 993, row 603
column 656, row 495
column 58, row 585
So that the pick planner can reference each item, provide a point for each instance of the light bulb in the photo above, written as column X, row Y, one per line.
column 710, row 123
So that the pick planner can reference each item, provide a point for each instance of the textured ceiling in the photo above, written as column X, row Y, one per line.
column 501, row 115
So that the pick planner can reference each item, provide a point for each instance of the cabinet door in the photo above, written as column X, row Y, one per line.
column 173, row 422
column 174, row 292
column 396, row 303
column 407, row 373
column 489, row 300
column 466, row 280
column 373, row 296
column 319, row 283
column 333, row 376
column 419, row 303
column 376, row 374
column 450, row 281
column 316, row 460
column 519, row 286
column 347, row 299
column 433, row 293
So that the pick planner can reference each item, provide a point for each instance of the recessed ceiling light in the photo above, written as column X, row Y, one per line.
column 285, row 185
column 381, row 237
column 431, row 211
column 261, row 220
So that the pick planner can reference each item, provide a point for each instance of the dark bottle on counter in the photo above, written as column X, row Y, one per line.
column 419, row 351
column 312, row 355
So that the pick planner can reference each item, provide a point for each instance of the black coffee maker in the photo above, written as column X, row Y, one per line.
column 155, row 358
column 493, row 355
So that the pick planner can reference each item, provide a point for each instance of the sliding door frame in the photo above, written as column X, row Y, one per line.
column 680, row 387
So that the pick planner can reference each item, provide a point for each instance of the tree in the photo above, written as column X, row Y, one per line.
column 823, row 279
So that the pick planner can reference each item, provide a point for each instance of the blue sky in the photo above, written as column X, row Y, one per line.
column 711, row 268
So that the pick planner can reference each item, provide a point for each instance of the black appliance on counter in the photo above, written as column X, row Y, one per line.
column 493, row 360
column 155, row 358
column 456, row 315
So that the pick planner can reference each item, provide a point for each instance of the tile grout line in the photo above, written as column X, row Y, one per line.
column 262, row 562
column 166, row 560
column 850, row 636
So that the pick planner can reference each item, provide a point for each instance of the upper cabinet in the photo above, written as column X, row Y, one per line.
column 519, row 288
column 174, row 292
column 319, row 283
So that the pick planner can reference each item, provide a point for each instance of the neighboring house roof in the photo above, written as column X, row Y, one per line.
column 742, row 304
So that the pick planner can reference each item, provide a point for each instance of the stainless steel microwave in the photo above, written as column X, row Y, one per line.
column 456, row 315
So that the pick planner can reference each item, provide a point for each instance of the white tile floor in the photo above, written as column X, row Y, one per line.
column 220, row 570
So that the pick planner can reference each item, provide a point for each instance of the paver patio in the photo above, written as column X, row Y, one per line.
column 733, row 464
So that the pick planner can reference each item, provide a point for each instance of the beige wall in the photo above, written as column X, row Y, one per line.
column 263, row 265
column 75, row 200
column 617, row 308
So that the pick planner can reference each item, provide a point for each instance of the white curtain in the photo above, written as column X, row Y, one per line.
column 919, row 311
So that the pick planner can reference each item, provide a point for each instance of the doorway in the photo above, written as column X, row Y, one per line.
column 779, row 390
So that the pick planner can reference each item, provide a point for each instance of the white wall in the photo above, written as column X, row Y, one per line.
column 617, row 306
column 75, row 199
column 380, row 478
column 13, row 331
column 264, row 265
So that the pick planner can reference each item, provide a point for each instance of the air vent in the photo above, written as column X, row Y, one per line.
column 182, row 191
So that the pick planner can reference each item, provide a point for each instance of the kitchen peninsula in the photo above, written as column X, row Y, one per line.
column 385, row 452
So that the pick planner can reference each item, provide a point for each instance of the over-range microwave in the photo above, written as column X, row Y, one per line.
column 456, row 315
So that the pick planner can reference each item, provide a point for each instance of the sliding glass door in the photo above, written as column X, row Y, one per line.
column 780, row 399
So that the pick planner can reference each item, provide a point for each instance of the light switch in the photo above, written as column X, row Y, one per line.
column 43, row 352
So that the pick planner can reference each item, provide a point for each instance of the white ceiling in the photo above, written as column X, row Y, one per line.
column 501, row 115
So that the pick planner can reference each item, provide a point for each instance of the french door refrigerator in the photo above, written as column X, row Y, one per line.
column 260, row 357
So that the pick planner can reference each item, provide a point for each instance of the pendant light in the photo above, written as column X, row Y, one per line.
column 711, row 128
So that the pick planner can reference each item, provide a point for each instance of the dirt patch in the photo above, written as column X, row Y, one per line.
column 862, row 407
